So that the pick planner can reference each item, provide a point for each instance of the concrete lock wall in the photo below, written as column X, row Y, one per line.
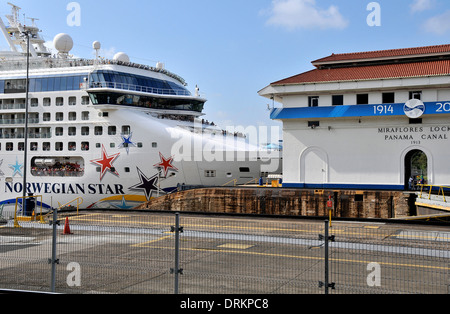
column 288, row 202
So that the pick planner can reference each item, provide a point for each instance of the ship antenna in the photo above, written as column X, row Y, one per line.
column 96, row 45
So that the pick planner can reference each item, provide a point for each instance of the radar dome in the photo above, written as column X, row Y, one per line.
column 63, row 43
column 96, row 45
column 122, row 57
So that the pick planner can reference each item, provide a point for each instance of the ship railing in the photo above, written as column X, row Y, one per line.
column 22, row 135
column 38, row 63
column 139, row 88
column 12, row 106
column 18, row 121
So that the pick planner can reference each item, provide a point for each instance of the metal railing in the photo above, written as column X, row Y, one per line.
column 139, row 88
column 167, row 253
column 441, row 190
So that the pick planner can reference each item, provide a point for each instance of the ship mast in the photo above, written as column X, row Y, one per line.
column 14, row 34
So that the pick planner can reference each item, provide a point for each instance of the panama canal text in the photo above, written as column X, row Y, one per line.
column 415, row 134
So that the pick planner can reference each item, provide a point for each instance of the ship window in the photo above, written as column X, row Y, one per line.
column 146, row 101
column 112, row 130
column 57, row 166
column 126, row 130
column 85, row 115
column 63, row 83
column 127, row 169
column 46, row 146
column 21, row 146
column 59, row 116
column 58, row 146
column 33, row 146
column 154, row 145
column 337, row 100
column 72, row 131
column 72, row 146
column 59, row 101
column 70, row 82
column 34, row 102
column 59, row 131
column 85, row 130
column 72, row 116
column 85, row 100
column 139, row 145
column 47, row 102
column 85, row 146
column 98, row 130
column 9, row 147
column 388, row 98
column 244, row 169
column 210, row 173
column 15, row 86
column 72, row 101
column 362, row 99
column 44, row 84
column 46, row 116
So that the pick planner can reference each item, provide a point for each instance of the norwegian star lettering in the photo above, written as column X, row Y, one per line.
column 65, row 188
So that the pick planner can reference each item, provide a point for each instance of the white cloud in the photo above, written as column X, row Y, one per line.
column 294, row 14
column 421, row 5
column 439, row 24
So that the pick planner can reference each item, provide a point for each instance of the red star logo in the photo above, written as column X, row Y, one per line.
column 166, row 164
column 106, row 163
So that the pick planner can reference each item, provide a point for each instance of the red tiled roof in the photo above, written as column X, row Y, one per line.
column 371, row 72
column 386, row 54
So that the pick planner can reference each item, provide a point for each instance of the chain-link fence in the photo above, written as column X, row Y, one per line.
column 165, row 253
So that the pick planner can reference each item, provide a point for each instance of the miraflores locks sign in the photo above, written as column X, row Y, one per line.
column 415, row 109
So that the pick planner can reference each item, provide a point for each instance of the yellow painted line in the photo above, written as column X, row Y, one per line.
column 235, row 246
column 308, row 258
column 144, row 244
column 133, row 220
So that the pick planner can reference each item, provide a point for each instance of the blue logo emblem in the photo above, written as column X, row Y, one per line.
column 414, row 108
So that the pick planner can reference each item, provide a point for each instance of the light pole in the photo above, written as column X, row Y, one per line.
column 24, row 187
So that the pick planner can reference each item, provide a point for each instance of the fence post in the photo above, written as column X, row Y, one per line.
column 177, row 271
column 327, row 238
column 53, row 260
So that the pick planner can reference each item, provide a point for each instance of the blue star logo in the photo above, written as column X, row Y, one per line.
column 123, row 204
column 127, row 143
column 17, row 168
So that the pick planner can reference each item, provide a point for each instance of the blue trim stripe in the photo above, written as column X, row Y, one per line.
column 382, row 110
column 344, row 186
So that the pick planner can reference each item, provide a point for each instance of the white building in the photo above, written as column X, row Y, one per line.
column 358, row 120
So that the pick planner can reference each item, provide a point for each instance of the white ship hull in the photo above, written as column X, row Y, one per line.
column 108, row 133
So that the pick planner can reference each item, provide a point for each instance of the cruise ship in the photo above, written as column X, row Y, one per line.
column 104, row 133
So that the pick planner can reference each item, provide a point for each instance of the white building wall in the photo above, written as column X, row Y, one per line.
column 347, row 152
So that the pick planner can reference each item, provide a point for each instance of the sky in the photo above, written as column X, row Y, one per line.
column 232, row 49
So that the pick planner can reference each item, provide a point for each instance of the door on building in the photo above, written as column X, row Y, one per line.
column 314, row 168
column 416, row 169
